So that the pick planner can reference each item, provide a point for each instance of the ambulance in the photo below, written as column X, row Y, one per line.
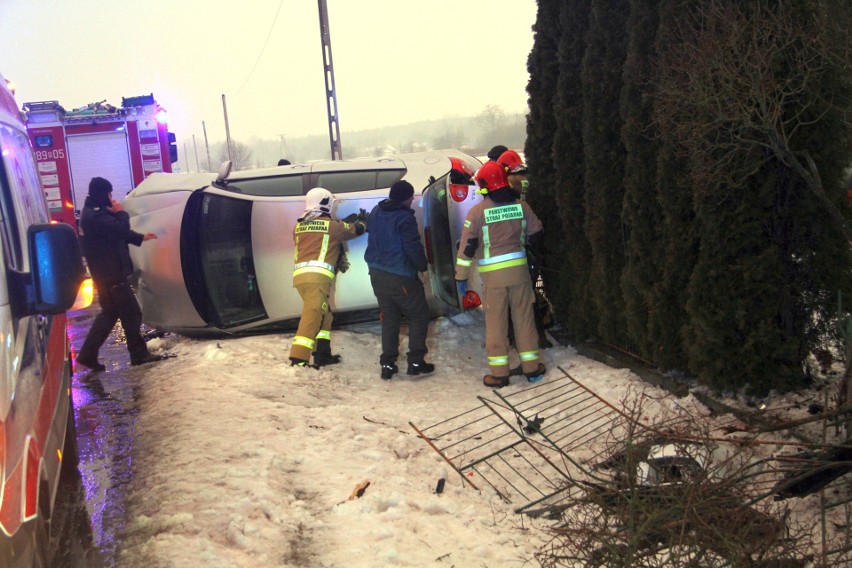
column 41, row 271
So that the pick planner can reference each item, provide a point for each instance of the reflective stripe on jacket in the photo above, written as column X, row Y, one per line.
column 318, row 245
column 500, row 232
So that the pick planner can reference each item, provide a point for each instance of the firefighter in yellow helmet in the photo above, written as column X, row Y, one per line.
column 320, row 254
column 496, row 232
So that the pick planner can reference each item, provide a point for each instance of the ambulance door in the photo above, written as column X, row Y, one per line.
column 445, row 203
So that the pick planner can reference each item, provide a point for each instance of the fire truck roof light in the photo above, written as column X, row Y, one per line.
column 162, row 116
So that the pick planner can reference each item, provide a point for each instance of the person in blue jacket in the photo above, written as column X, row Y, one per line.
column 395, row 256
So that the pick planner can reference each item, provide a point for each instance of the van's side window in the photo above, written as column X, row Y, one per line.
column 343, row 182
column 270, row 187
column 12, row 237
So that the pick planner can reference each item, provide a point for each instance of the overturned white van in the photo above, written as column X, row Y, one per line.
column 223, row 259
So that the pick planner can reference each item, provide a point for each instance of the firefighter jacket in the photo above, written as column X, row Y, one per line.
column 496, row 234
column 318, row 247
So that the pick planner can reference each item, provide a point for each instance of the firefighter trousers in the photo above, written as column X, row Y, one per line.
column 501, row 299
column 316, row 317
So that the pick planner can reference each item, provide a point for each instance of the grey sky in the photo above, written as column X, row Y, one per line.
column 395, row 61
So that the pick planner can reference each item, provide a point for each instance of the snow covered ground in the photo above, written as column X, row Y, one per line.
column 244, row 461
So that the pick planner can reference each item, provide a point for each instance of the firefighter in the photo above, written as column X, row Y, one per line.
column 320, row 254
column 516, row 170
column 496, row 232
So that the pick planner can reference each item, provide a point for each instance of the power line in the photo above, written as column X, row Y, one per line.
column 262, row 49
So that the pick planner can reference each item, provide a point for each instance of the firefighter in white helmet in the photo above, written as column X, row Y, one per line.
column 320, row 255
column 496, row 232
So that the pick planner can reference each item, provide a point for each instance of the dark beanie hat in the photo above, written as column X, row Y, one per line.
column 400, row 191
column 495, row 152
column 99, row 190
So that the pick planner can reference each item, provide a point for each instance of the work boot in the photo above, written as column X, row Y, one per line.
column 421, row 368
column 389, row 370
column 323, row 356
column 517, row 371
column 323, row 359
column 296, row 362
column 538, row 374
column 495, row 382
column 91, row 362
column 147, row 358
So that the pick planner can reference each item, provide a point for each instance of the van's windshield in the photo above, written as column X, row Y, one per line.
column 218, row 260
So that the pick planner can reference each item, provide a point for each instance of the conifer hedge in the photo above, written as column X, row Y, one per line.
column 688, row 161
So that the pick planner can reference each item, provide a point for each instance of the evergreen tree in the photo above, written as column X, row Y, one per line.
column 641, row 212
column 574, row 308
column 543, row 68
column 604, row 161
column 753, row 84
column 678, row 246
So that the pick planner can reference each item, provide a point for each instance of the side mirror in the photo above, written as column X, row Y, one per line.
column 56, row 265
column 224, row 171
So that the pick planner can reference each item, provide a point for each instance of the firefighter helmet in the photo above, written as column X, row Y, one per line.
column 320, row 199
column 492, row 176
column 512, row 162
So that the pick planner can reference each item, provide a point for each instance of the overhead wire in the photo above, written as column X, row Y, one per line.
column 262, row 49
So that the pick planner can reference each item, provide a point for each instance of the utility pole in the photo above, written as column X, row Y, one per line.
column 330, row 95
column 227, row 129
column 207, row 145
column 197, row 169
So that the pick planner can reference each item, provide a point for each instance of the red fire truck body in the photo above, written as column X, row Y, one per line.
column 123, row 145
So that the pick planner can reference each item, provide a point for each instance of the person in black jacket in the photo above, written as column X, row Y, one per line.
column 395, row 256
column 105, row 233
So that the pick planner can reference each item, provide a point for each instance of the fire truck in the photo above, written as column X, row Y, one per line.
column 124, row 145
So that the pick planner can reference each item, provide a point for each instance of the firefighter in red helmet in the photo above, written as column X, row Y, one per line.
column 516, row 170
column 496, row 232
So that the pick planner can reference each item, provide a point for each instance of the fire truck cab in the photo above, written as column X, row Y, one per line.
column 41, row 270
column 124, row 145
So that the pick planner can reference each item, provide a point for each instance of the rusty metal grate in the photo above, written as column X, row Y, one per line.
column 535, row 447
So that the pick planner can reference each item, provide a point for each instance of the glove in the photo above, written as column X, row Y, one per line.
column 360, row 217
column 342, row 261
column 461, row 286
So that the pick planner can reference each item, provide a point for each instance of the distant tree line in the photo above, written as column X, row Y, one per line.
column 689, row 161
column 474, row 135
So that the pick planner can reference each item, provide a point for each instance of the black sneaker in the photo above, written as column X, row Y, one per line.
column 389, row 371
column 421, row 368
column 323, row 359
column 149, row 358
column 91, row 363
